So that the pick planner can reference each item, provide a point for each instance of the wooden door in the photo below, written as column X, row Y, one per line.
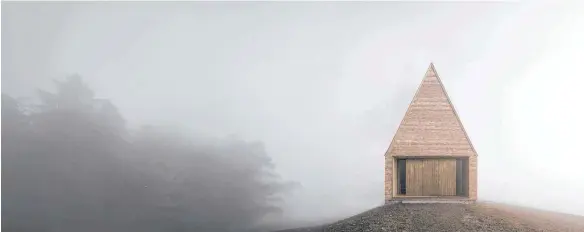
column 431, row 177
column 414, row 171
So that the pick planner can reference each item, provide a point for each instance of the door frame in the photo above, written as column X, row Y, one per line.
column 462, row 175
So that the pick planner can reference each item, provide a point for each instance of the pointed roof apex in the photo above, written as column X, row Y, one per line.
column 431, row 70
column 431, row 104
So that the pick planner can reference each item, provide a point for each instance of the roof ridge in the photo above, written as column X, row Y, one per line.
column 431, row 72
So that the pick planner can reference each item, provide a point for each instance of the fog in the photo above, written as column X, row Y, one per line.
column 319, row 87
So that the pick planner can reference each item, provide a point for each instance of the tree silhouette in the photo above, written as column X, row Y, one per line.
column 72, row 165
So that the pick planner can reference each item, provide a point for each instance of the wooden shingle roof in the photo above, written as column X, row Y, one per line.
column 431, row 126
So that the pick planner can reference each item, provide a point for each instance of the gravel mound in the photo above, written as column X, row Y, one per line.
column 449, row 217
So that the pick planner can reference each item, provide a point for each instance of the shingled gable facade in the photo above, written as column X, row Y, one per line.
column 431, row 154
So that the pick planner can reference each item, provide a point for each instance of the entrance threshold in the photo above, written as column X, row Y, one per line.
column 430, row 199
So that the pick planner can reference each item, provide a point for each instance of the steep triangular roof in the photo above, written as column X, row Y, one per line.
column 431, row 126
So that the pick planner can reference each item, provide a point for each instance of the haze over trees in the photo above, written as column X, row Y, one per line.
column 69, row 163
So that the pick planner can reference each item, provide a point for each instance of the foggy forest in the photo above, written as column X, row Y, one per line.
column 74, row 165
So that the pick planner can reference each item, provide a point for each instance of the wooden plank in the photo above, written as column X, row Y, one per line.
column 452, row 178
column 420, row 178
column 459, row 177
column 428, row 186
column 431, row 177
column 442, row 181
column 413, row 177
column 410, row 178
column 447, row 179
column 436, row 171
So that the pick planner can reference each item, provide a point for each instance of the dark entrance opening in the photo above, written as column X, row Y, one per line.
column 462, row 177
column 401, row 167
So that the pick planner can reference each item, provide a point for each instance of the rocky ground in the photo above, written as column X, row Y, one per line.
column 453, row 217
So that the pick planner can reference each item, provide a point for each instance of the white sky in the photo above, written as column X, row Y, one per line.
column 324, row 85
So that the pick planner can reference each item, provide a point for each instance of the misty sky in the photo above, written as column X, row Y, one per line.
column 324, row 85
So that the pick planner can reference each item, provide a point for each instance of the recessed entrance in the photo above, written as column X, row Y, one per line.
column 432, row 176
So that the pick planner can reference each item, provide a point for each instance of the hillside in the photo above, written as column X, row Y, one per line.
column 453, row 217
